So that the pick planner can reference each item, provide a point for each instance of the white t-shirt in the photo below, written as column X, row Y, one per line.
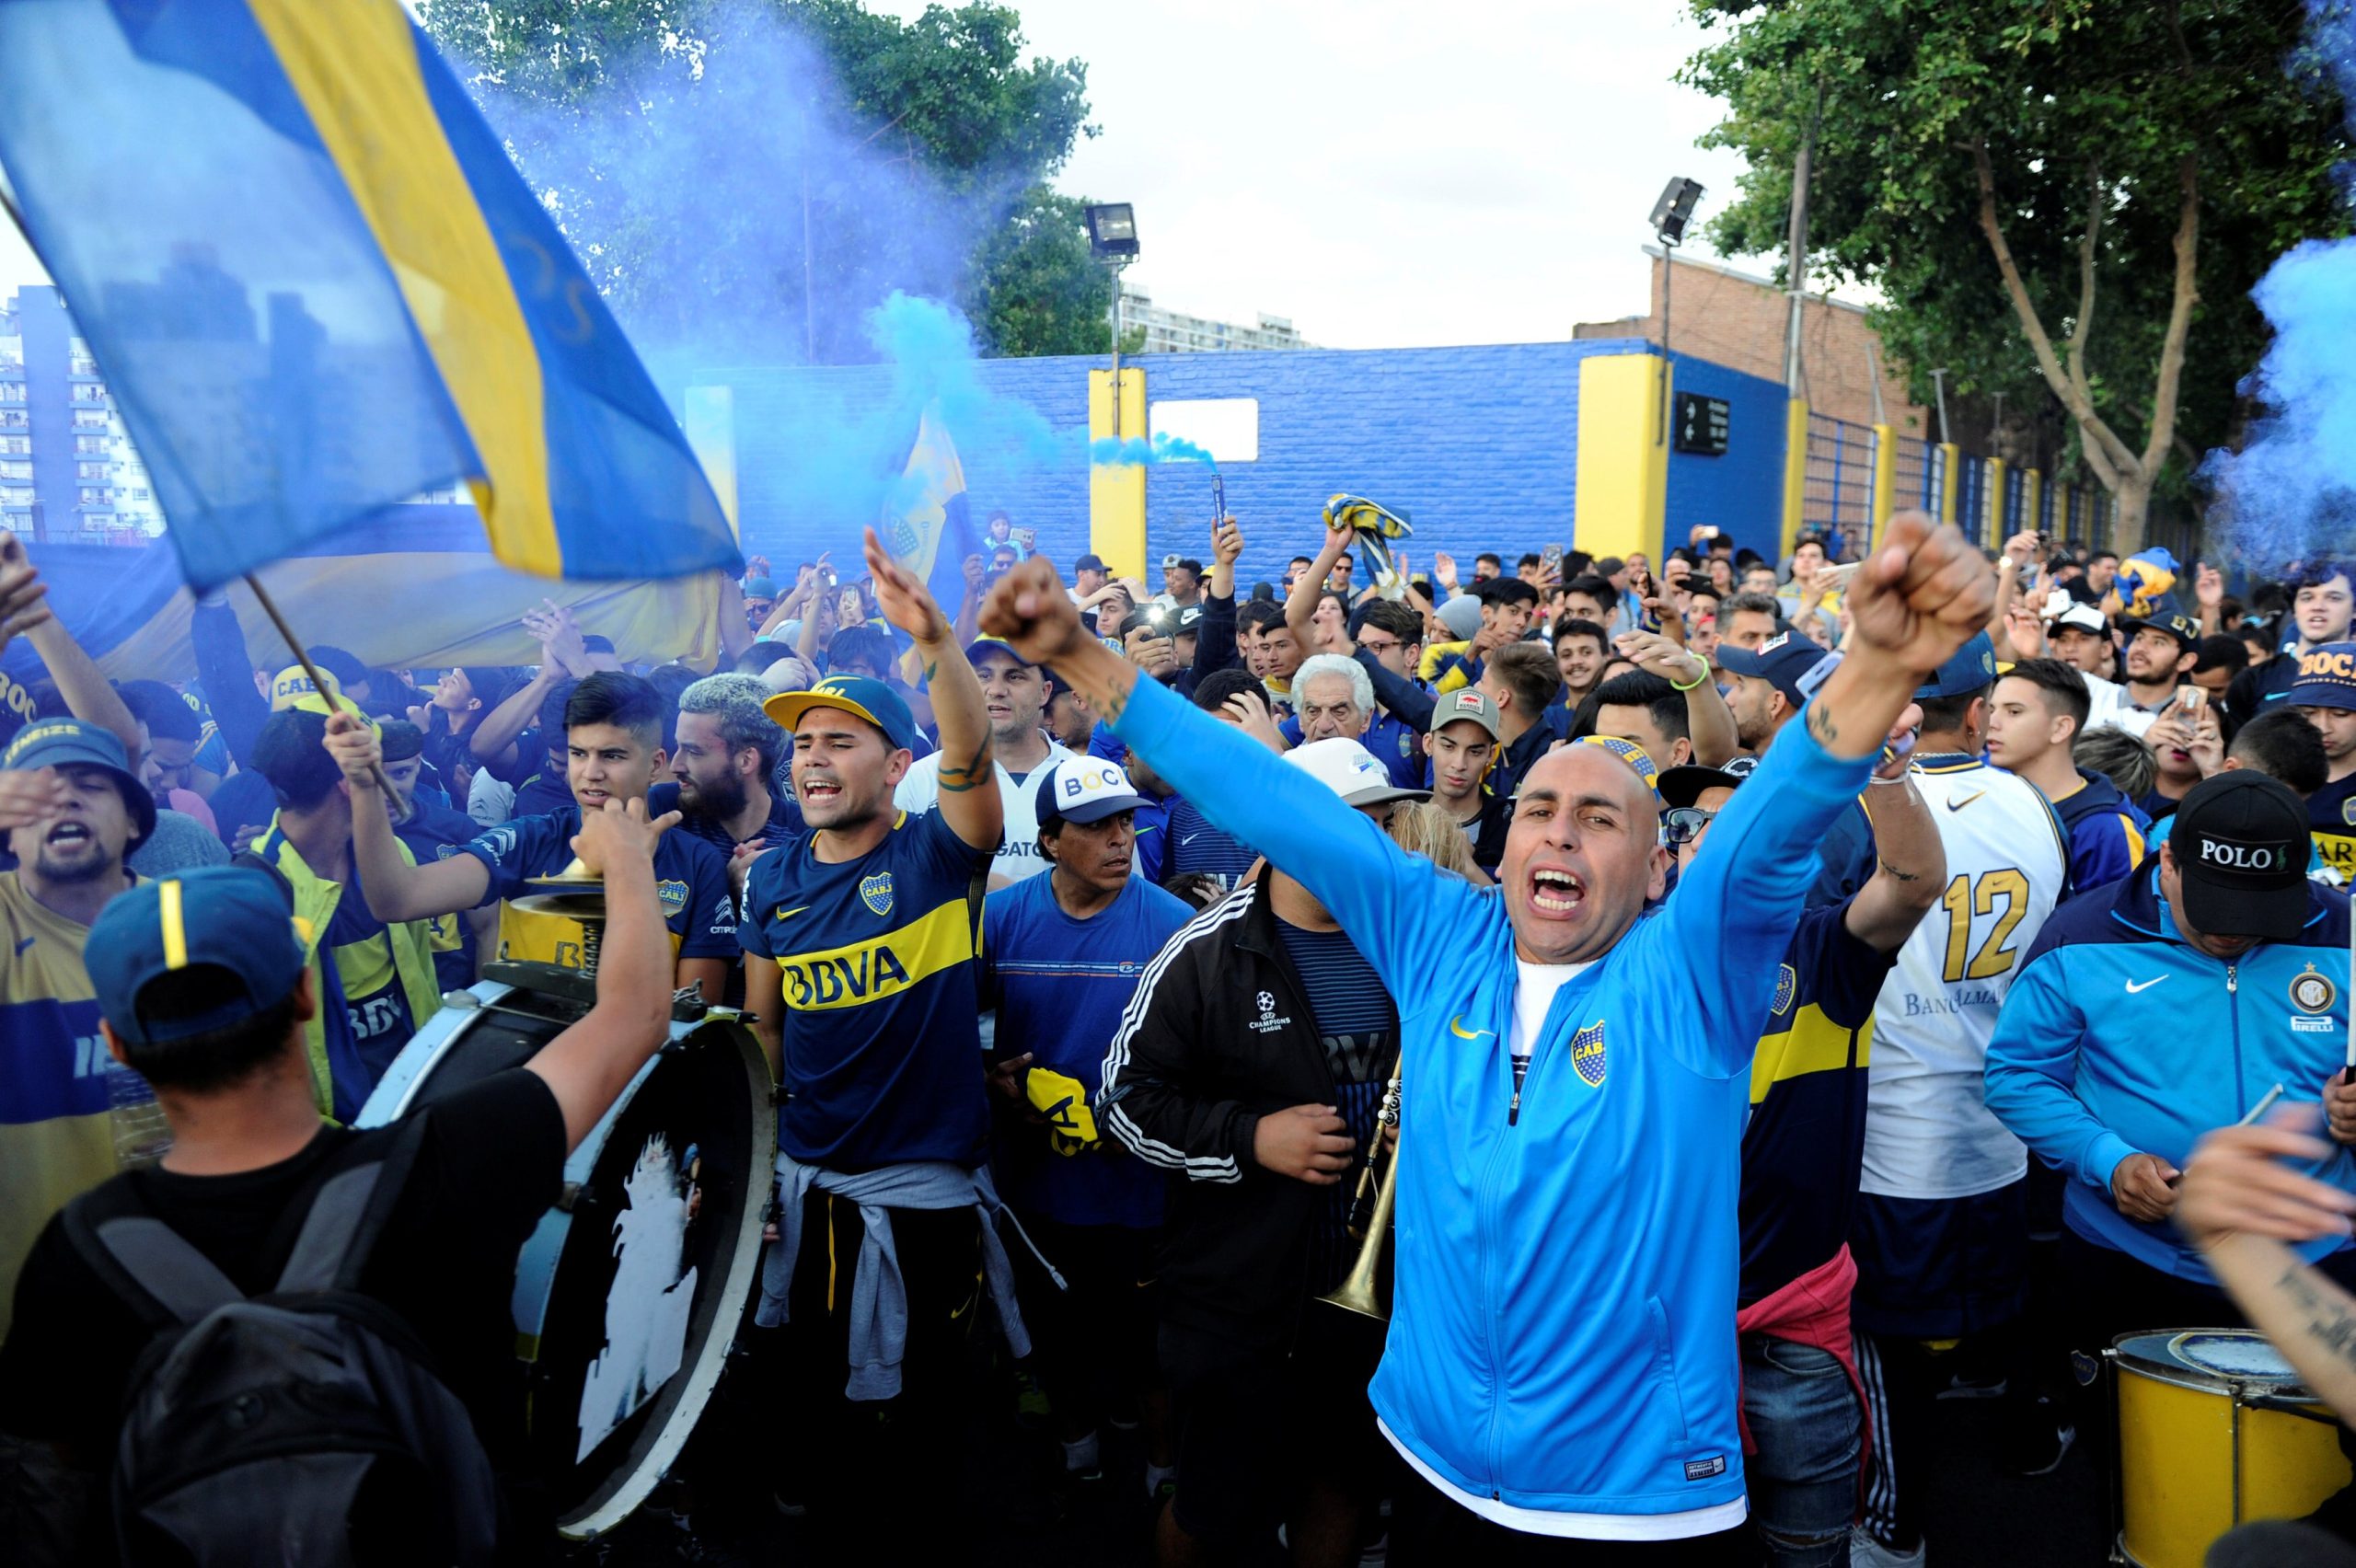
column 1928, row 1131
column 1018, row 852
column 2106, row 706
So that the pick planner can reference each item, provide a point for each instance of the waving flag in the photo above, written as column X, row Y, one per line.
column 315, row 286
column 926, row 527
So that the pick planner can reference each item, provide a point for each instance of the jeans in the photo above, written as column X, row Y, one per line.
column 1805, row 1420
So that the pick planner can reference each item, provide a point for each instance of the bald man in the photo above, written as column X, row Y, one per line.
column 1561, row 1360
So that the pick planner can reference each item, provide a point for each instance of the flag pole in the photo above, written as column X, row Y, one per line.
column 270, row 607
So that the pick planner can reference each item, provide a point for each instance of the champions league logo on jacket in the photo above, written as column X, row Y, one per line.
column 1586, row 1054
column 876, row 891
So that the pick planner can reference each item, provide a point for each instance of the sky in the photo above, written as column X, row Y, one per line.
column 1386, row 173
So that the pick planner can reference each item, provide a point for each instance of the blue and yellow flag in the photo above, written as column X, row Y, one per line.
column 926, row 527
column 314, row 285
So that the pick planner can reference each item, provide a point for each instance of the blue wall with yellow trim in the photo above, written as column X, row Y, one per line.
column 1478, row 444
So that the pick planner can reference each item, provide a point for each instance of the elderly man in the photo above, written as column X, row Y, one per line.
column 1561, row 1361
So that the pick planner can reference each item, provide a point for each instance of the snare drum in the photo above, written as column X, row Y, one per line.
column 628, row 1293
column 2214, row 1428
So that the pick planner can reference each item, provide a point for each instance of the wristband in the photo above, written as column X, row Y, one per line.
column 1696, row 681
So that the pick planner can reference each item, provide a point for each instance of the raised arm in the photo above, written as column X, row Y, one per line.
column 1301, row 605
column 590, row 1063
column 1707, row 718
column 735, row 631
column 1384, row 897
column 226, row 668
column 395, row 889
column 970, row 802
column 89, row 695
column 499, row 729
column 1911, row 865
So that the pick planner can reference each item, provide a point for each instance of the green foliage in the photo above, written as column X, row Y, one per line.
column 2077, row 102
column 785, row 237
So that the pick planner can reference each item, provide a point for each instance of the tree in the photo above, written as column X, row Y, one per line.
column 2071, row 197
column 1041, row 291
column 747, row 179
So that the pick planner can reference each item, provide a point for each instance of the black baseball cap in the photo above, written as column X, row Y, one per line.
column 2241, row 847
column 1683, row 785
column 1783, row 661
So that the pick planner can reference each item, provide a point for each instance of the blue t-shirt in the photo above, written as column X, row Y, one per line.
column 1359, row 1029
column 689, row 877
column 1059, row 986
column 882, row 1027
column 1196, row 846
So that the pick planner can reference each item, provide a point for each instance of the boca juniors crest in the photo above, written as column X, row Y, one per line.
column 876, row 891
column 1586, row 1054
column 673, row 895
column 1786, row 982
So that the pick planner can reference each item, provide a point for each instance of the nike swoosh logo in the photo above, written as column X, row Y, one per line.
column 1958, row 805
column 2132, row 987
column 1188, row 837
column 23, row 945
column 788, row 914
column 1456, row 1027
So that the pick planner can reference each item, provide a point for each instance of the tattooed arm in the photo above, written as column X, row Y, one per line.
column 969, row 796
column 2241, row 1204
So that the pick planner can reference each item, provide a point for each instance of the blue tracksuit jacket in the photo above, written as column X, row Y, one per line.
column 1562, row 1330
column 2120, row 1037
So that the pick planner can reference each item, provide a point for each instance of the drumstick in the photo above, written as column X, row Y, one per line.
column 2265, row 1104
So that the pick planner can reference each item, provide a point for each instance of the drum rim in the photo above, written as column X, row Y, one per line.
column 2178, row 1374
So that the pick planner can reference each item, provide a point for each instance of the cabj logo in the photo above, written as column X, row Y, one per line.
column 673, row 895
column 1785, row 983
column 876, row 891
column 1586, row 1054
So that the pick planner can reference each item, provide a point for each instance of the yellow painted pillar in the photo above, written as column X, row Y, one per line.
column 708, row 421
column 1951, row 465
column 1117, row 491
column 2032, row 500
column 1885, row 482
column 1795, row 471
column 1619, row 494
column 1997, row 532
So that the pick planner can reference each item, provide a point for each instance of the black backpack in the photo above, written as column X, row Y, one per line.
column 301, row 1427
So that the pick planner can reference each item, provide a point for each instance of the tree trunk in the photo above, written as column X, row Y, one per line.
column 2133, row 493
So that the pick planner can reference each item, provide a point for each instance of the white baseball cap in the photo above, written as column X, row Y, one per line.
column 1350, row 771
column 1085, row 790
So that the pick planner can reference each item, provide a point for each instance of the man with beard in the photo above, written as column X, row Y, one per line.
column 1014, row 695
column 861, row 943
column 72, row 811
column 728, row 748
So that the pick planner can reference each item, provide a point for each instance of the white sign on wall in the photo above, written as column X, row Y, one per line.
column 1228, row 428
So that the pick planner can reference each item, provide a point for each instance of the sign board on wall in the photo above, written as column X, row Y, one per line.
column 1228, row 428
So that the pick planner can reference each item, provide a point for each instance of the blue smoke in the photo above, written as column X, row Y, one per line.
column 2289, row 494
column 1130, row 451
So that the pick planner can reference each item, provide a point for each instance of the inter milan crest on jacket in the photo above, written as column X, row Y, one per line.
column 1586, row 1054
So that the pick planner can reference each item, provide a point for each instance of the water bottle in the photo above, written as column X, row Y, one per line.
column 142, row 1136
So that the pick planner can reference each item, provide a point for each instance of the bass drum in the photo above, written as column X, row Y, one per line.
column 628, row 1293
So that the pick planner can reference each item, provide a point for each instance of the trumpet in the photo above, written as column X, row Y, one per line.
column 1357, row 1293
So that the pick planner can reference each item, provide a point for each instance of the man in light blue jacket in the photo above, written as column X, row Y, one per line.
column 1561, row 1356
column 2156, row 1008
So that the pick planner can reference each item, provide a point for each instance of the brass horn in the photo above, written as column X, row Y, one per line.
column 1357, row 1293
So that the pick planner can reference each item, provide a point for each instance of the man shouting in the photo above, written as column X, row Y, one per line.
column 1562, row 1355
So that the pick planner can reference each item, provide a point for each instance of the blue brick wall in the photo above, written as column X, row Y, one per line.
column 1477, row 443
column 1742, row 492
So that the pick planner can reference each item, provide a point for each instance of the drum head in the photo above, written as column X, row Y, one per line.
column 627, row 1296
column 2238, row 1354
column 654, row 1277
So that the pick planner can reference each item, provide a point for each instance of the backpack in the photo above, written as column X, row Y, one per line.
column 300, row 1427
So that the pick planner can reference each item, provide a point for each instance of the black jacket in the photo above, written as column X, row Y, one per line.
column 1220, row 1035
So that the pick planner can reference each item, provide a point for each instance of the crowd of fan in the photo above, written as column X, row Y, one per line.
column 1186, row 1054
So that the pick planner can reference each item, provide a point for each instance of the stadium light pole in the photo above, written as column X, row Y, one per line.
column 1113, row 240
column 1670, row 215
